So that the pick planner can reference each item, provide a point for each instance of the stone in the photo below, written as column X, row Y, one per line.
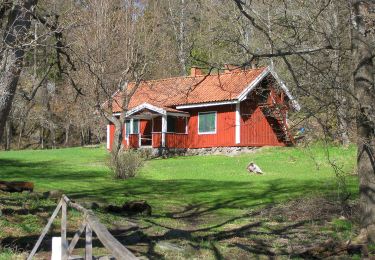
column 90, row 204
column 169, row 246
column 52, row 194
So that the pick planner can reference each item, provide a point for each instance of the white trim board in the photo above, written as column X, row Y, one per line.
column 238, row 123
column 108, row 137
column 211, row 104
column 146, row 106
column 253, row 84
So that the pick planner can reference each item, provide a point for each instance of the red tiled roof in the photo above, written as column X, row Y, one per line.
column 168, row 93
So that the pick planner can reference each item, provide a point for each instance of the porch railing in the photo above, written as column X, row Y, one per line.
column 89, row 224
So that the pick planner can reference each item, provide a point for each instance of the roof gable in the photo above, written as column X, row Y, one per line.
column 172, row 92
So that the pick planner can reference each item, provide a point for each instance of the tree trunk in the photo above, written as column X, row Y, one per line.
column 17, row 28
column 118, row 137
column 181, row 38
column 41, row 137
column 365, row 93
column 20, row 134
column 82, row 137
column 67, row 132
column 8, row 139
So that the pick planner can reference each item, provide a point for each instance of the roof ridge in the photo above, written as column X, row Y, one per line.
column 236, row 71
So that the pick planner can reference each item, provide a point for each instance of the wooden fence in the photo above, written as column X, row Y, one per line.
column 90, row 223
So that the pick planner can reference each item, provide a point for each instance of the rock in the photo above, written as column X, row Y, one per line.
column 36, row 195
column 137, row 207
column 16, row 186
column 113, row 209
column 169, row 246
column 90, row 204
column 131, row 208
column 52, row 194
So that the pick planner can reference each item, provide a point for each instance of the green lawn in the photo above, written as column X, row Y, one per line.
column 199, row 192
column 205, row 180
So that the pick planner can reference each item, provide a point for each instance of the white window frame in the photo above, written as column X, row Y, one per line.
column 208, row 133
column 131, row 122
column 139, row 127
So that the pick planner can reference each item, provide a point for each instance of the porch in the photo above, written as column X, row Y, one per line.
column 172, row 140
column 148, row 126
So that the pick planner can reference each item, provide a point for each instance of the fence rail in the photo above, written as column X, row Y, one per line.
column 89, row 224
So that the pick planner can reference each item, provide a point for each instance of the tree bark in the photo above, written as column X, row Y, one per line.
column 15, row 35
column 41, row 137
column 365, row 93
column 8, row 135
column 118, row 136
column 67, row 132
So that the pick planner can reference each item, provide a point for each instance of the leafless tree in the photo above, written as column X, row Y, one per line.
column 324, row 36
column 114, row 46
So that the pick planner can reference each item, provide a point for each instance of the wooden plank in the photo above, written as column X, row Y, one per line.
column 75, row 205
column 88, row 246
column 119, row 251
column 76, row 237
column 64, row 242
column 45, row 230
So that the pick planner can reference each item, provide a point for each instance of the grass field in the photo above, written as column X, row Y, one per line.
column 200, row 202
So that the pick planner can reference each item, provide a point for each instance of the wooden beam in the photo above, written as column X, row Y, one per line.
column 119, row 251
column 76, row 237
column 45, row 230
column 64, row 242
column 88, row 246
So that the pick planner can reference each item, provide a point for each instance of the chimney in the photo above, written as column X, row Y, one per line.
column 195, row 72
column 231, row 68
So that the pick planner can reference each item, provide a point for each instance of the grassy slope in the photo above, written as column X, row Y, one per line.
column 210, row 181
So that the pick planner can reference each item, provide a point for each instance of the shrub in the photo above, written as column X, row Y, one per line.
column 126, row 164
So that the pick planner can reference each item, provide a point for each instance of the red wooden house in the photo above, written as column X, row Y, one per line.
column 230, row 109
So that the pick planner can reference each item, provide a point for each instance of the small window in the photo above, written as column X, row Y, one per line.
column 207, row 123
column 171, row 124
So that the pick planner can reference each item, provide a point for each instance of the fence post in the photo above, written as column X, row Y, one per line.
column 88, row 247
column 64, row 242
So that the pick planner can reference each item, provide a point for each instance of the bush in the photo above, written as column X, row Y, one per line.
column 126, row 165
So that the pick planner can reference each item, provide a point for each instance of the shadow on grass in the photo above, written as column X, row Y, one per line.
column 43, row 171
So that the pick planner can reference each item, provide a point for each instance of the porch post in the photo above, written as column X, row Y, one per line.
column 131, row 125
column 163, row 129
column 238, row 123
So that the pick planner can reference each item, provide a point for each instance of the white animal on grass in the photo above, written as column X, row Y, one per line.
column 252, row 167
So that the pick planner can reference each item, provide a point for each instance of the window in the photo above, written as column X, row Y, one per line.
column 136, row 126
column 171, row 124
column 207, row 123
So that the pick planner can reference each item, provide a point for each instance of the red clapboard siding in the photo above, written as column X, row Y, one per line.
column 156, row 140
column 255, row 129
column 225, row 128
column 111, row 135
column 133, row 140
column 176, row 140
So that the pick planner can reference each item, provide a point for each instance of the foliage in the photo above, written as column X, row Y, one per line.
column 342, row 225
column 126, row 164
